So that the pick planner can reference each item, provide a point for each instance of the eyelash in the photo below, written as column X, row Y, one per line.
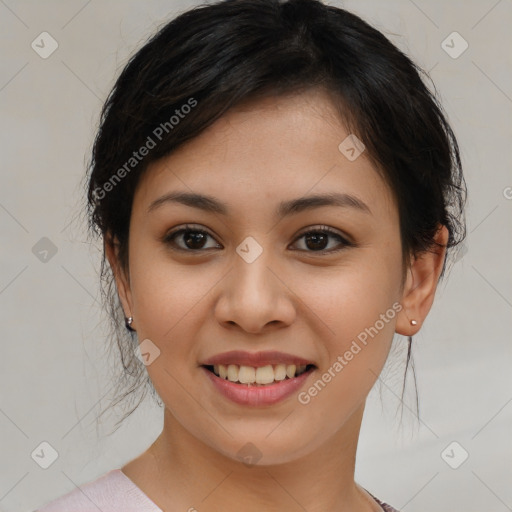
column 169, row 239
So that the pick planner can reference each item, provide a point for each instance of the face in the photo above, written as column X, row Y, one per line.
column 262, row 270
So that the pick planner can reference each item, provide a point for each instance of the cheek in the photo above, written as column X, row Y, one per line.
column 357, row 308
column 170, row 303
column 166, row 293
column 348, row 299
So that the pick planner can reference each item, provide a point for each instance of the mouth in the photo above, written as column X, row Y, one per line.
column 259, row 376
column 257, row 379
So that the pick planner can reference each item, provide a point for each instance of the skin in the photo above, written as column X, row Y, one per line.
column 193, row 305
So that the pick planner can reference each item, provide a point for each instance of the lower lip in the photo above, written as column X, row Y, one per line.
column 269, row 394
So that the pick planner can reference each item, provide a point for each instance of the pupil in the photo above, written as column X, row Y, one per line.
column 195, row 237
column 315, row 237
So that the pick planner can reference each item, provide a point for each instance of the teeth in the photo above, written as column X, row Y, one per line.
column 233, row 373
column 290, row 370
column 280, row 372
column 247, row 375
column 261, row 375
column 264, row 375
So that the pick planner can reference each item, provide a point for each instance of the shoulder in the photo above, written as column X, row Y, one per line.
column 112, row 492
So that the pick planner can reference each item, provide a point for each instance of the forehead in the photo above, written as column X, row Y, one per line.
column 260, row 153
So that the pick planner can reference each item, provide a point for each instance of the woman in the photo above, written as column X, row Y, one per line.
column 277, row 192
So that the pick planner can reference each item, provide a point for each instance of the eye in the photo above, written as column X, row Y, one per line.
column 193, row 239
column 318, row 239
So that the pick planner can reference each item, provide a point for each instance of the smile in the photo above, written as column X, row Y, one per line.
column 258, row 394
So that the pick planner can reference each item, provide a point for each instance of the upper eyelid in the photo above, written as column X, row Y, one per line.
column 321, row 227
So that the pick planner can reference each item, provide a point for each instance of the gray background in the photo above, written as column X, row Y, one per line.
column 54, row 370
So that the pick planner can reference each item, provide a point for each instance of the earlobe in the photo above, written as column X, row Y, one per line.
column 122, row 282
column 420, row 286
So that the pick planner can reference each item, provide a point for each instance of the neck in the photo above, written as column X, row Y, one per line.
column 180, row 472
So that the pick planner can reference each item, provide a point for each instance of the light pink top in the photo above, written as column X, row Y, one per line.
column 115, row 492
column 112, row 492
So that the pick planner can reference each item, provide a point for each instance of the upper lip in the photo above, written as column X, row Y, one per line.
column 255, row 359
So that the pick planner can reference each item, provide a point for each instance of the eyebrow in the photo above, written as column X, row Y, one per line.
column 285, row 208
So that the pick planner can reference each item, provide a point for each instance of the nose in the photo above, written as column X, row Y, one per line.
column 255, row 297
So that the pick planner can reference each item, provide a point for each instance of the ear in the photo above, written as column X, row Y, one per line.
column 121, row 278
column 420, row 285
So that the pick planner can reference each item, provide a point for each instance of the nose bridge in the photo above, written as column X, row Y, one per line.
column 252, row 279
column 253, row 296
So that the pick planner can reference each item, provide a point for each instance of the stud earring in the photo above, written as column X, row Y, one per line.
column 128, row 322
column 413, row 322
